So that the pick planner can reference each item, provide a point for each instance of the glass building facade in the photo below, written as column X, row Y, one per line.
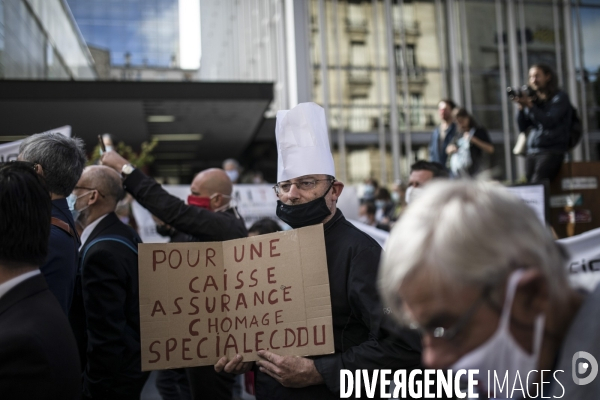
column 379, row 67
column 40, row 40
column 136, row 32
column 422, row 51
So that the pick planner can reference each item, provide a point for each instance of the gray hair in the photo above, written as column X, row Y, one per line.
column 468, row 233
column 61, row 158
column 233, row 161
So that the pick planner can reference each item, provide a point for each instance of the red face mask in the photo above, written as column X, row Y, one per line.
column 198, row 201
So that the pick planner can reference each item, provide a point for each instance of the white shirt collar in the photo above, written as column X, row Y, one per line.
column 88, row 230
column 11, row 283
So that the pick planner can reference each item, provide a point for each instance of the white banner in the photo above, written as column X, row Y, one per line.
column 379, row 235
column 10, row 151
column 584, row 261
column 253, row 203
column 533, row 196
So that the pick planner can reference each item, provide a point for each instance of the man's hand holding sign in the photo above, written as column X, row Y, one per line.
column 290, row 371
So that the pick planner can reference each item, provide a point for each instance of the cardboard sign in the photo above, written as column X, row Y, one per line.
column 579, row 183
column 201, row 301
column 563, row 200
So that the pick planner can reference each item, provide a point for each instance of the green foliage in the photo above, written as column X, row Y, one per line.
column 141, row 159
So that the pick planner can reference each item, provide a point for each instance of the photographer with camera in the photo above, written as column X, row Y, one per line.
column 547, row 112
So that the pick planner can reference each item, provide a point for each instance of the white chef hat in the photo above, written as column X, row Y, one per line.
column 302, row 142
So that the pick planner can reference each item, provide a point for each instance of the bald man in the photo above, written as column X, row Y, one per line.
column 208, row 217
column 105, row 314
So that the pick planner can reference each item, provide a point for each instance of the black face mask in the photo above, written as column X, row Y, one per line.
column 311, row 213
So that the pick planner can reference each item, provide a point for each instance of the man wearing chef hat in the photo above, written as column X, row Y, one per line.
column 307, row 194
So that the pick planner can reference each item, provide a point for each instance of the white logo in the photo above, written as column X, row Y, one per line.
column 580, row 368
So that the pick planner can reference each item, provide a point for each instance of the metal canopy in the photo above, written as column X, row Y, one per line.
column 198, row 123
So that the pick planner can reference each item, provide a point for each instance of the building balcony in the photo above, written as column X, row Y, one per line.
column 416, row 79
column 356, row 29
column 410, row 29
column 359, row 82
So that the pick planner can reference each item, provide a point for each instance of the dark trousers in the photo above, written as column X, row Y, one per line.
column 539, row 167
column 172, row 384
column 206, row 383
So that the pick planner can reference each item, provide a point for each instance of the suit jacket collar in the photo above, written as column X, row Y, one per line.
column 25, row 289
column 105, row 225
column 60, row 210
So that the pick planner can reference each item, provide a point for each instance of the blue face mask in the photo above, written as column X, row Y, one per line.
column 71, row 200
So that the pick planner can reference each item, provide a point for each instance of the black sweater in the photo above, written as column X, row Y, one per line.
column 363, row 337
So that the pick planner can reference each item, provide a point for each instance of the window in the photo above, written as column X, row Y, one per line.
column 411, row 61
column 417, row 115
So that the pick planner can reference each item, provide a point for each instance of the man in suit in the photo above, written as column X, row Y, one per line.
column 38, row 354
column 60, row 160
column 110, row 289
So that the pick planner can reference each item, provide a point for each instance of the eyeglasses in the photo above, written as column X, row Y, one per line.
column 451, row 333
column 304, row 185
column 87, row 188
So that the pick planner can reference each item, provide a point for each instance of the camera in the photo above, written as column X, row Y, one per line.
column 523, row 91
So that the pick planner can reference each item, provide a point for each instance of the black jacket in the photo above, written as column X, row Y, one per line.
column 363, row 337
column 550, row 124
column 38, row 354
column 201, row 226
column 204, row 225
column 60, row 267
column 110, row 287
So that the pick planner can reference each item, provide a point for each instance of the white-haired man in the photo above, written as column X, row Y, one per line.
column 307, row 194
column 472, row 267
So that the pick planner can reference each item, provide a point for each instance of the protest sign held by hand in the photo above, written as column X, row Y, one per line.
column 202, row 301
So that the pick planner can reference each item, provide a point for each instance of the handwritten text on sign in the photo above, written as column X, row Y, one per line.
column 201, row 301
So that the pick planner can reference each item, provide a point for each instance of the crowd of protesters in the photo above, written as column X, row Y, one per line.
column 470, row 279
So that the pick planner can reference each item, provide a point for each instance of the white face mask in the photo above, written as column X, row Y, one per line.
column 231, row 204
column 412, row 193
column 501, row 353
column 233, row 174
